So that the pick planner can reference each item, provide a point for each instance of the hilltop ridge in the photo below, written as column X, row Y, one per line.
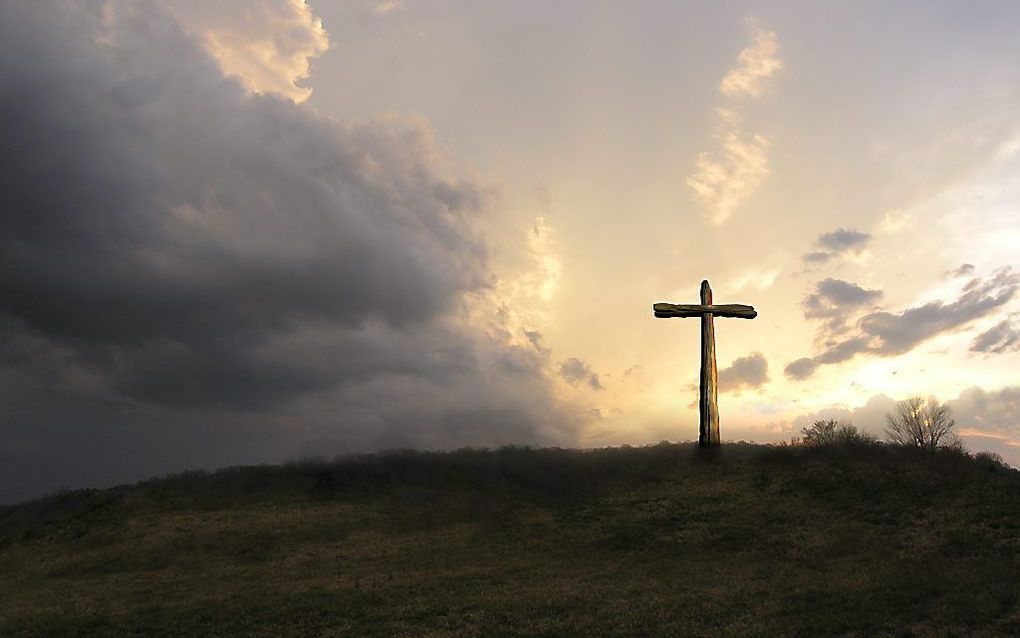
column 865, row 540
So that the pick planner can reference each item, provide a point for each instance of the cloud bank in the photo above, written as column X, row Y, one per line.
column 192, row 274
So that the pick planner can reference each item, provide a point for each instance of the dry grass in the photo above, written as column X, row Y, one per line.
column 862, row 541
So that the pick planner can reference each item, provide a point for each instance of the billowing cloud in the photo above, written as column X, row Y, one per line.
column 747, row 372
column 194, row 274
column 268, row 44
column 841, row 241
column 576, row 371
column 889, row 334
column 755, row 65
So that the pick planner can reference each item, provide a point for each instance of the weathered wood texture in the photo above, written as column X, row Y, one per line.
column 667, row 310
column 708, row 392
column 708, row 404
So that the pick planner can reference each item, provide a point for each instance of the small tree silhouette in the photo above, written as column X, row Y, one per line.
column 832, row 432
column 926, row 424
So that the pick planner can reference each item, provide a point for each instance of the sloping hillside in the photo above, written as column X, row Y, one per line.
column 654, row 541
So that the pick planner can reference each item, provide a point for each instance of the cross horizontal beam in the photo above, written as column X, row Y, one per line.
column 740, row 311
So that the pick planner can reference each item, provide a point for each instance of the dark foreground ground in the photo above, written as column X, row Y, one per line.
column 651, row 541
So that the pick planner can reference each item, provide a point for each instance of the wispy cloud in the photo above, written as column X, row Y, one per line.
column 388, row 6
column 894, row 221
column 724, row 178
column 756, row 278
column 755, row 65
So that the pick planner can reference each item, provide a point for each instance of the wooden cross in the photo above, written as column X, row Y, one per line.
column 708, row 403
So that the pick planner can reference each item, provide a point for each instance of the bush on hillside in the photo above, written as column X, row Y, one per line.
column 831, row 432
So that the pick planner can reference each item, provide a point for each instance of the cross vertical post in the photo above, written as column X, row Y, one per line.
column 708, row 402
column 708, row 397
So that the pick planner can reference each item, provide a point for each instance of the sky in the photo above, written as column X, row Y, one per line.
column 261, row 230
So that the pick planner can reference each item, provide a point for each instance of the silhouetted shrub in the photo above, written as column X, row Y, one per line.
column 830, row 432
column 991, row 461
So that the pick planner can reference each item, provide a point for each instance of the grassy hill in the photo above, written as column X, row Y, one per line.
column 653, row 541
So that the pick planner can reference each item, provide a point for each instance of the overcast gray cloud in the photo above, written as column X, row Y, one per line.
column 191, row 274
column 747, row 372
column 888, row 334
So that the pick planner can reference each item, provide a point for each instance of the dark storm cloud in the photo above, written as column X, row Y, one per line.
column 837, row 242
column 1001, row 337
column 888, row 334
column 178, row 251
column 751, row 371
column 575, row 371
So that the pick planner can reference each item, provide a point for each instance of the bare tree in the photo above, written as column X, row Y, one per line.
column 926, row 424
